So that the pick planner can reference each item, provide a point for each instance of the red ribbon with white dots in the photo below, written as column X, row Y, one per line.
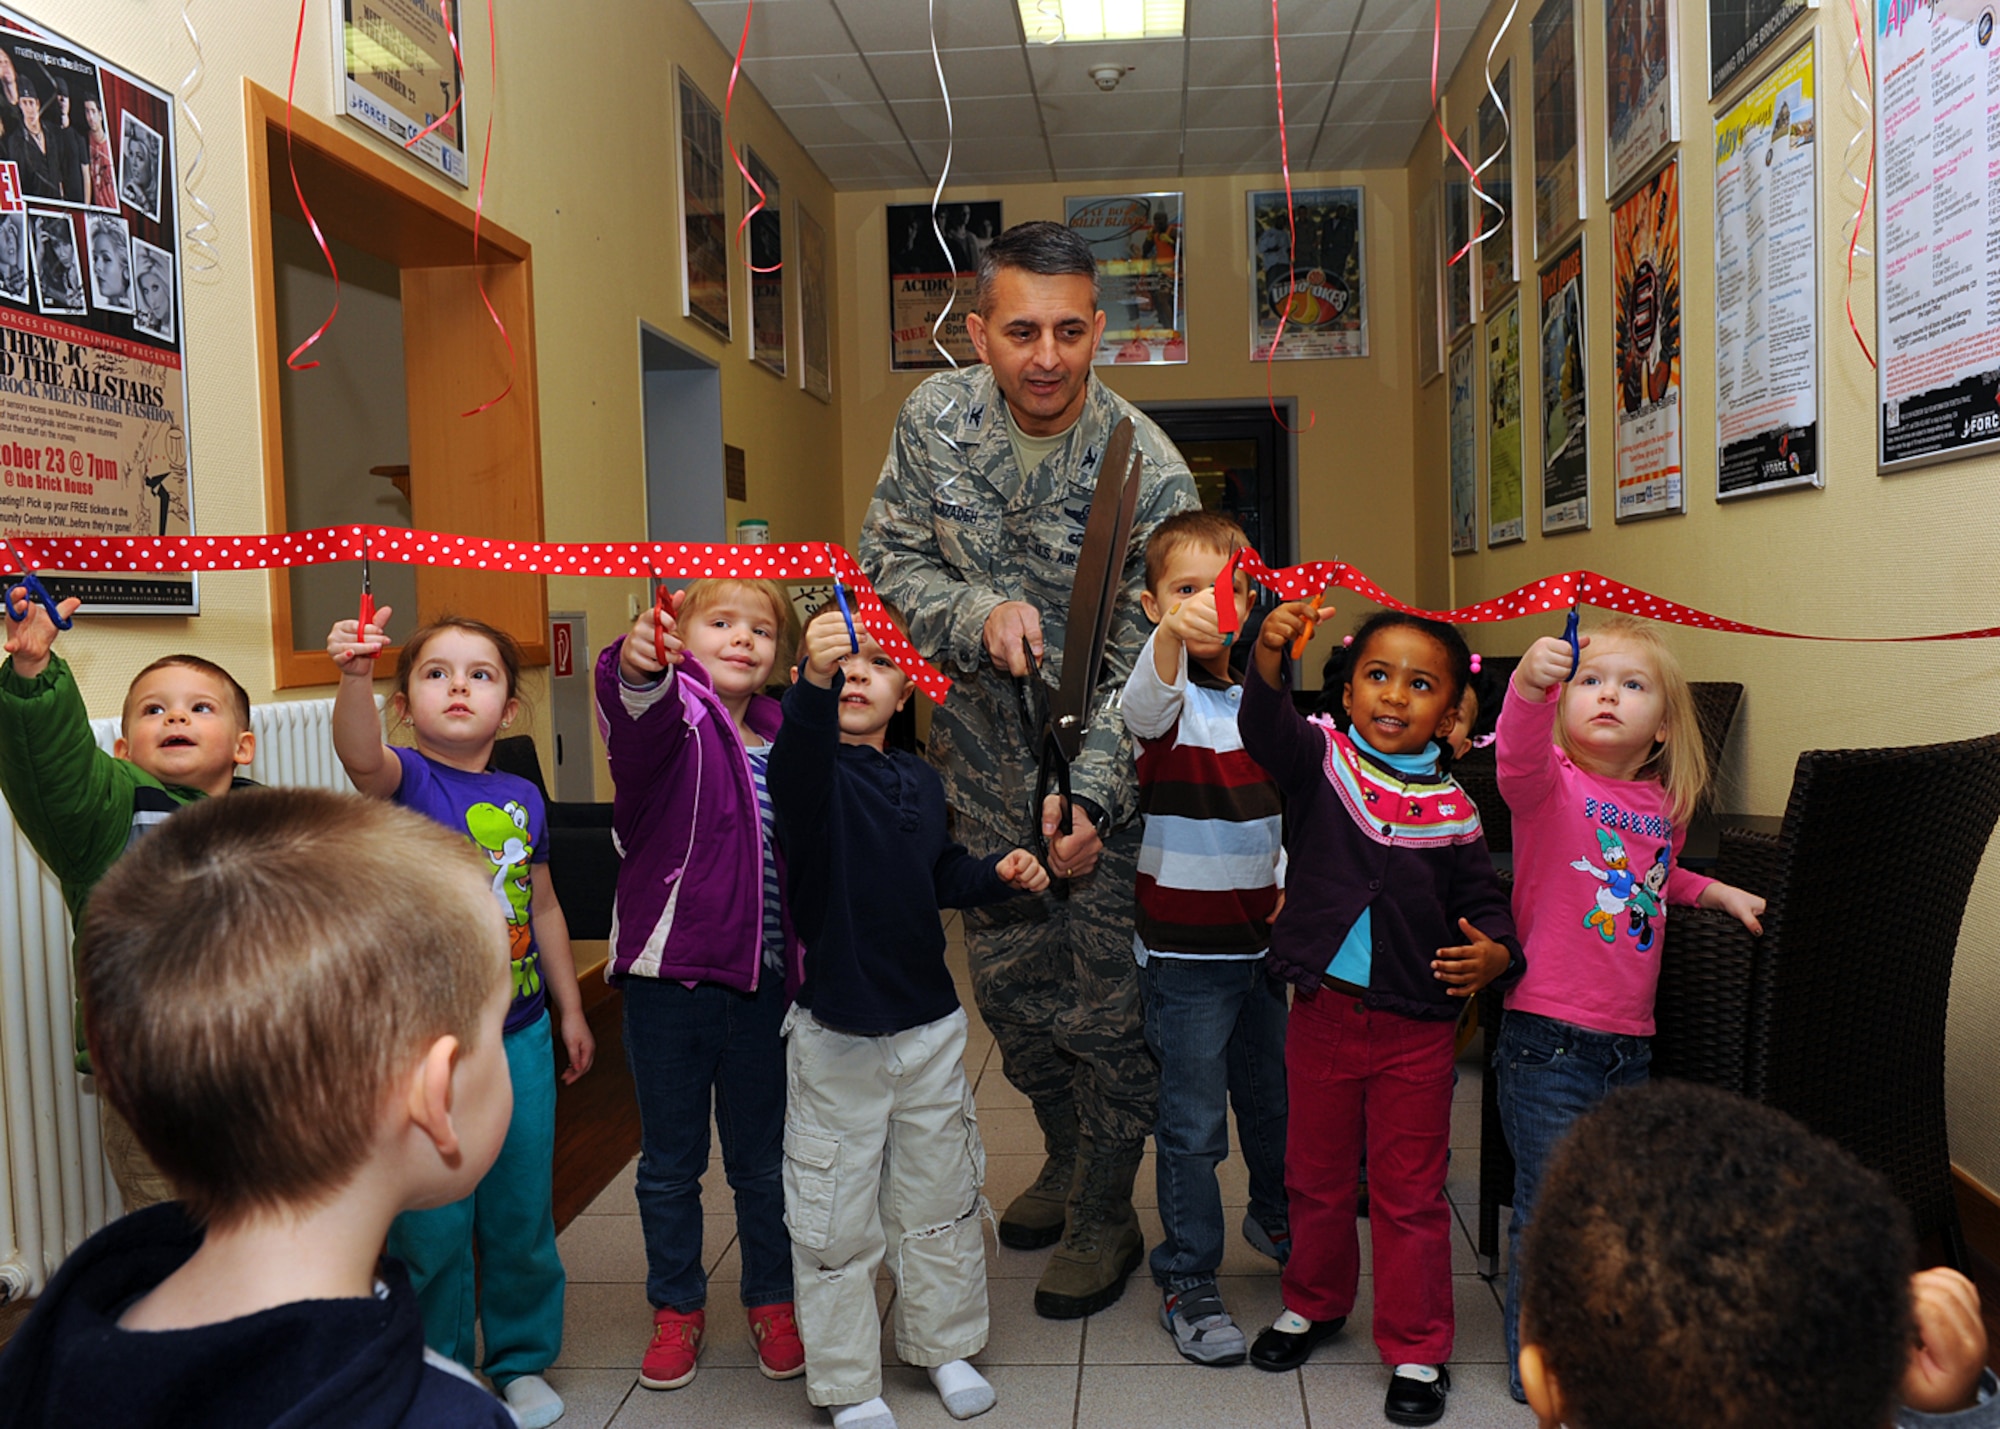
column 806, row 561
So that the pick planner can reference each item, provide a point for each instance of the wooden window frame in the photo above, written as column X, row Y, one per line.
column 475, row 476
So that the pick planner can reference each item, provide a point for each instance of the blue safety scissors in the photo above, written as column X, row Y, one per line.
column 1575, row 645
column 37, row 594
column 847, row 614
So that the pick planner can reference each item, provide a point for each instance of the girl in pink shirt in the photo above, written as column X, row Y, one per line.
column 1601, row 769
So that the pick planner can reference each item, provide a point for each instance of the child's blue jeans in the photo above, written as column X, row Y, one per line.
column 519, row 1297
column 1217, row 1027
column 1550, row 1073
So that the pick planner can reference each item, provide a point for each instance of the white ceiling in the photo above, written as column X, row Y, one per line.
column 853, row 80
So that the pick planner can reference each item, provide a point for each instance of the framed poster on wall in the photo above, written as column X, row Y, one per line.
column 1937, row 287
column 704, row 225
column 93, row 338
column 396, row 73
column 1500, row 250
column 1646, row 326
column 815, row 343
column 766, row 233
column 1506, row 520
column 1642, row 91
column 927, row 281
column 1425, row 257
column 1136, row 240
column 1767, row 355
column 1741, row 30
column 1559, row 192
column 1565, row 412
column 1463, row 406
column 1318, row 270
column 1459, row 256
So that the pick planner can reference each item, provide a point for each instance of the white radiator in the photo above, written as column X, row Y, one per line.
column 54, row 1188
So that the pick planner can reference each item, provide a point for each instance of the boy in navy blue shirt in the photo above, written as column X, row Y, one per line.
column 881, row 1141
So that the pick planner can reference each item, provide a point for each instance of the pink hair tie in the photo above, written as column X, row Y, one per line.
column 1346, row 640
column 1475, row 662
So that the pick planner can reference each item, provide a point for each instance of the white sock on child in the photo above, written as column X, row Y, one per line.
column 964, row 1389
column 872, row 1415
column 1291, row 1323
column 534, row 1403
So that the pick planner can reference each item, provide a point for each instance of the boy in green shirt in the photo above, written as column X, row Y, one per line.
column 185, row 732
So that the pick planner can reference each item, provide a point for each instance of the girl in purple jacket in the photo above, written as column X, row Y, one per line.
column 703, row 950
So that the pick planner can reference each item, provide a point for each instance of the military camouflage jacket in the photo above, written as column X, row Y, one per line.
column 955, row 529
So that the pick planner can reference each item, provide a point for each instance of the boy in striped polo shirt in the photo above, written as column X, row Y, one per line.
column 1209, row 876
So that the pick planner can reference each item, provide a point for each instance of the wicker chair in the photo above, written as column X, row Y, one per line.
column 1836, row 1015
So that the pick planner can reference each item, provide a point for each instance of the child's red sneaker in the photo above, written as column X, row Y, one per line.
column 669, row 1361
column 779, row 1352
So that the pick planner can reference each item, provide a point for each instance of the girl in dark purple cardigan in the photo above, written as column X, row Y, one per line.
column 1393, row 917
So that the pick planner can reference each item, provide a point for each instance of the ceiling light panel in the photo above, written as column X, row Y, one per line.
column 1052, row 21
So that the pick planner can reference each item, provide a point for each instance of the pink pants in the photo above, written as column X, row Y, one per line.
column 1351, row 1072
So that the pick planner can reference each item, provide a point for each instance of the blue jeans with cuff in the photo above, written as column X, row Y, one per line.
column 1217, row 1027
column 1550, row 1073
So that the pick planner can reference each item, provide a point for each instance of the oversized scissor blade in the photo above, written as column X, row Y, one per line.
column 1094, row 590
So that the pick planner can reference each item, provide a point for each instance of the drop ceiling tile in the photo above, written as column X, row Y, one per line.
column 974, row 118
column 904, row 24
column 779, row 28
column 1382, row 101
column 1157, row 178
column 877, row 163
column 815, row 125
column 1401, row 54
column 1365, row 146
column 1123, row 111
column 1309, row 59
column 826, row 79
column 1422, row 14
column 1234, row 150
column 972, row 158
column 1065, row 69
column 1244, row 106
column 972, row 74
column 1223, row 19
column 1123, row 153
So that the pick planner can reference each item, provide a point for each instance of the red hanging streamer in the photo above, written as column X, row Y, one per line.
column 728, row 97
column 1437, row 40
column 458, row 73
column 292, row 361
column 1292, row 248
column 1867, row 182
column 479, row 207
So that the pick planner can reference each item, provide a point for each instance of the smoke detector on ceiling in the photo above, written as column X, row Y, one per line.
column 1106, row 77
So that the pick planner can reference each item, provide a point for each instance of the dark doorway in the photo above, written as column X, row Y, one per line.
column 1241, row 459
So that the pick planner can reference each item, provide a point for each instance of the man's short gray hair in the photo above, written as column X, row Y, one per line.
column 1052, row 250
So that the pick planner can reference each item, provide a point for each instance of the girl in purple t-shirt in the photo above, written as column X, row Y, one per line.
column 1601, row 770
column 455, row 684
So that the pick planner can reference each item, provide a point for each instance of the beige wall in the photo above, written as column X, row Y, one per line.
column 1866, row 555
column 1354, row 467
column 585, row 173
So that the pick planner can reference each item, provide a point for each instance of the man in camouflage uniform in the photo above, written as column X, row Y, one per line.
column 973, row 538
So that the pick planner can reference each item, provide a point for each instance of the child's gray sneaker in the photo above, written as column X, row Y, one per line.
column 1201, row 1327
column 1277, row 1244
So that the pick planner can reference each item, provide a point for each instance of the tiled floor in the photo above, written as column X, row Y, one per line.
column 1115, row 1369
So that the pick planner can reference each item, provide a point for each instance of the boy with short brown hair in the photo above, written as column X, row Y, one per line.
column 296, row 997
column 186, row 733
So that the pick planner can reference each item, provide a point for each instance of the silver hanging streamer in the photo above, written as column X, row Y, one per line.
column 950, row 136
column 1506, row 136
column 202, row 254
column 1866, row 132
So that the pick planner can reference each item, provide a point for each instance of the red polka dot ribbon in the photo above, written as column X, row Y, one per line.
column 812, row 561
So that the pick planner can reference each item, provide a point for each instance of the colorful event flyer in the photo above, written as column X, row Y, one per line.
column 395, row 74
column 1641, row 87
column 927, row 281
column 1558, row 124
column 704, row 226
column 767, row 266
column 1505, row 520
column 93, row 384
column 1463, row 404
column 1767, row 285
column 1741, row 30
column 1136, row 239
column 1646, row 325
column 1315, row 264
column 1565, row 415
column 1459, row 256
column 1499, row 251
column 1937, row 257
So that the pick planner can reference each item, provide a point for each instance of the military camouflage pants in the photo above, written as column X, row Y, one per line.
column 1056, row 982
